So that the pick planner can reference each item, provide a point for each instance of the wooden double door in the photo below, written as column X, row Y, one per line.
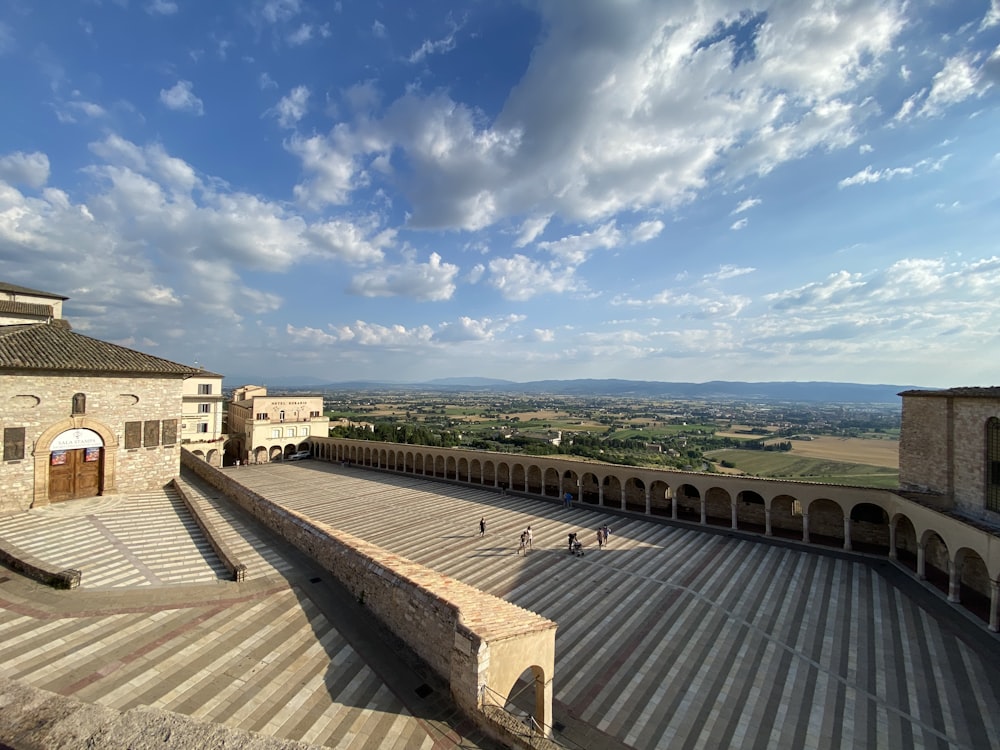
column 75, row 473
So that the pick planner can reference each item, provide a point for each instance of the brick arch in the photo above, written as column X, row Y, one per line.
column 43, row 450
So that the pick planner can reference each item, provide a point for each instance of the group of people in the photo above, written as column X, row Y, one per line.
column 602, row 536
column 526, row 538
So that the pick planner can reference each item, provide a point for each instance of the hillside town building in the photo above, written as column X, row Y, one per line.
column 203, row 410
column 266, row 428
column 80, row 417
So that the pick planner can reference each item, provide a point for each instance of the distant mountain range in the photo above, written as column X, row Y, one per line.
column 776, row 391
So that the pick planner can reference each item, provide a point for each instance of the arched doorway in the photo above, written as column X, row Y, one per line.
column 76, row 465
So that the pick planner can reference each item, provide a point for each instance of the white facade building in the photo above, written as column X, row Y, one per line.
column 202, row 417
column 266, row 428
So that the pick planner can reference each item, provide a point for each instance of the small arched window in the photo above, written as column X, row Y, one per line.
column 993, row 464
column 79, row 403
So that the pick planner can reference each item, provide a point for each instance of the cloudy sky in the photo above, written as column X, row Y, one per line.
column 400, row 191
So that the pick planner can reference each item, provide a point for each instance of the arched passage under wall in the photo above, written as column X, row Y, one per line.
column 786, row 517
column 635, row 495
column 718, row 507
column 660, row 499
column 903, row 541
column 688, row 503
column 935, row 560
column 870, row 529
column 826, row 523
column 750, row 515
column 974, row 583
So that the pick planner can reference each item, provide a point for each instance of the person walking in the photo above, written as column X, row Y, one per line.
column 600, row 539
column 528, row 537
column 482, row 526
column 521, row 549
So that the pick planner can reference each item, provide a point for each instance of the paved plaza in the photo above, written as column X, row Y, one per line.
column 670, row 637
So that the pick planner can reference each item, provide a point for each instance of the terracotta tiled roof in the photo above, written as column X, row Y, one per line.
column 14, row 289
column 46, row 346
column 37, row 310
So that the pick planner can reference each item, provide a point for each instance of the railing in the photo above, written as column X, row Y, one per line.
column 521, row 726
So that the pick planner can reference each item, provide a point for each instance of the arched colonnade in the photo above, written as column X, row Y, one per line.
column 960, row 559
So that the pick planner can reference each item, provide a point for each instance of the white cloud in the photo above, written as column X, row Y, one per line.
column 354, row 243
column 275, row 11
column 869, row 175
column 265, row 81
column 746, row 205
column 521, row 278
column 647, row 231
column 378, row 29
column 424, row 282
column 181, row 98
column 161, row 7
column 574, row 249
column 531, row 228
column 301, row 35
column 293, row 106
column 437, row 47
column 473, row 329
column 728, row 271
column 20, row 168
column 623, row 109
column 955, row 82
column 739, row 224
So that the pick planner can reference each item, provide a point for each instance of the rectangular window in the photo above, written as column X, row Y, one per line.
column 203, row 428
column 13, row 443
column 304, row 431
column 204, row 408
column 151, row 433
column 204, row 389
column 133, row 435
column 314, row 414
column 276, row 432
column 290, row 432
column 262, row 415
column 169, row 431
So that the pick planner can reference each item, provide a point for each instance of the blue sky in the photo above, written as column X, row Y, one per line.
column 542, row 189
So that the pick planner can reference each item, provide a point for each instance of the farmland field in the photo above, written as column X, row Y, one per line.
column 781, row 465
column 851, row 450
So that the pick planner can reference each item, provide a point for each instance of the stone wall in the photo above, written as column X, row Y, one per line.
column 942, row 448
column 43, row 403
column 923, row 445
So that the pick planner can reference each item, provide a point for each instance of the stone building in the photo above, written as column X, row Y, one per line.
column 266, row 428
column 949, row 446
column 80, row 417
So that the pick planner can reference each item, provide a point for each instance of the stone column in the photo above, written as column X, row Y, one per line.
column 767, row 522
column 847, row 533
column 892, row 542
column 648, row 504
column 600, row 495
column 805, row 527
column 994, row 606
column 733, row 514
column 704, row 511
column 621, row 491
column 954, row 581
column 673, row 507
column 921, row 571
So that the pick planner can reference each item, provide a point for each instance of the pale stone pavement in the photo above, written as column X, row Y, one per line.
column 670, row 637
column 284, row 654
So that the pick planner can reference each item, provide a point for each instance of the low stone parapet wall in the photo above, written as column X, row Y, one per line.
column 28, row 565
column 237, row 570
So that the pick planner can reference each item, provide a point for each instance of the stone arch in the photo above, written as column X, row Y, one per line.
column 490, row 477
column 688, row 503
column 750, row 511
column 503, row 475
column 785, row 512
column 612, row 491
column 826, row 522
column 660, row 499
column 973, row 580
column 590, row 489
column 903, row 541
column 571, row 482
column 462, row 470
column 260, row 454
column 451, row 468
column 517, row 479
column 718, row 507
column 43, row 451
column 634, row 492
column 533, row 480
column 214, row 457
column 935, row 559
column 274, row 453
column 439, row 470
column 475, row 471
column 869, row 528
column 550, row 482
